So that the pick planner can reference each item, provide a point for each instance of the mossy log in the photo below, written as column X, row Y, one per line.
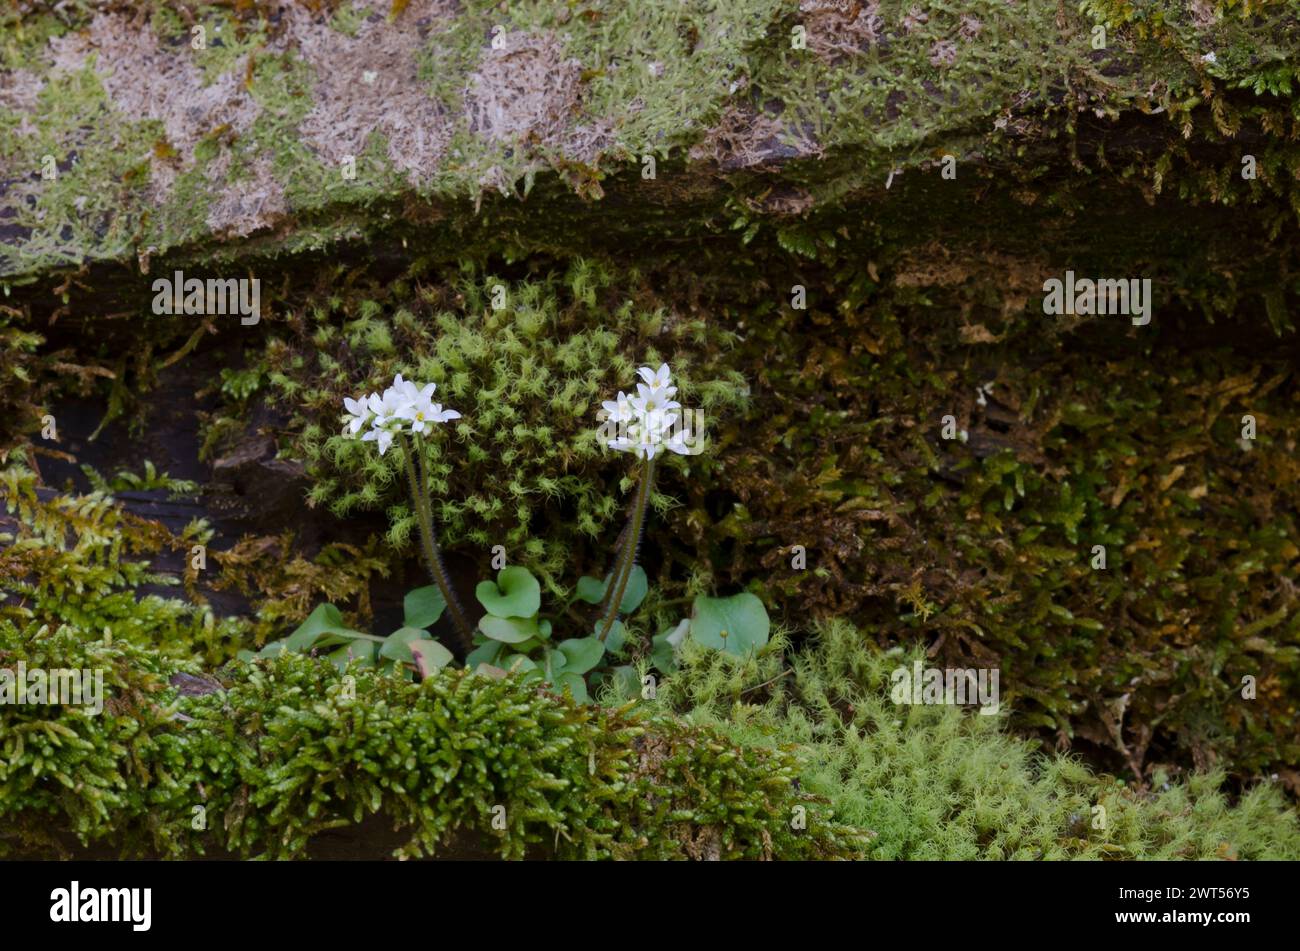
column 142, row 136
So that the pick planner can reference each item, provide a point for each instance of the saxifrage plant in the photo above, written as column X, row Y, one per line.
column 514, row 635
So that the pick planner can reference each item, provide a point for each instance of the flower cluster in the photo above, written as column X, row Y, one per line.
column 647, row 423
column 402, row 408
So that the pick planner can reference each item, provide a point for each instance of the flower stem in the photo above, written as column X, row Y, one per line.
column 626, row 560
column 432, row 553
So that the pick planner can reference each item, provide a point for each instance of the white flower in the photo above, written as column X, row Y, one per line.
column 404, row 407
column 647, row 444
column 652, row 400
column 409, row 391
column 679, row 442
column 359, row 413
column 644, row 424
column 422, row 413
column 382, row 436
column 620, row 410
column 388, row 408
column 417, row 406
column 660, row 379
column 1210, row 57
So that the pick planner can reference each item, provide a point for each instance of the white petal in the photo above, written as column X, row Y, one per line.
column 678, row 445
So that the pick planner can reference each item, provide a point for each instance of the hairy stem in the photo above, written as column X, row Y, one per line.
column 432, row 553
column 622, row 573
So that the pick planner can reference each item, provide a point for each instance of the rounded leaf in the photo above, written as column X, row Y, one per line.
column 323, row 621
column 635, row 591
column 638, row 584
column 429, row 656
column 590, row 590
column 574, row 684
column 737, row 625
column 396, row 645
column 518, row 665
column 359, row 650
column 423, row 606
column 508, row 630
column 581, row 654
column 484, row 654
column 616, row 637
column 515, row 593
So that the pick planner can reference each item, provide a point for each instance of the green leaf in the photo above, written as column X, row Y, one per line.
column 637, row 586
column 616, row 637
column 396, row 646
column 593, row 591
column 326, row 619
column 429, row 656
column 515, row 593
column 552, row 664
column 363, row 651
column 424, row 606
column 574, row 684
column 590, row 590
column 525, row 668
column 581, row 654
column 663, row 647
column 508, row 630
column 273, row 648
column 484, row 654
column 737, row 625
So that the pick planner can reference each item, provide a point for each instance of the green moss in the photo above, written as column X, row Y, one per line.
column 1094, row 435
column 101, row 159
column 78, row 561
column 762, row 765
column 69, row 768
column 294, row 747
column 524, row 467
column 935, row 783
column 788, row 755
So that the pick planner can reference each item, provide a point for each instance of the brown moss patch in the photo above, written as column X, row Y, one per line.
column 19, row 89
column 144, row 80
column 250, row 204
column 370, row 83
column 525, row 91
column 745, row 137
column 839, row 28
